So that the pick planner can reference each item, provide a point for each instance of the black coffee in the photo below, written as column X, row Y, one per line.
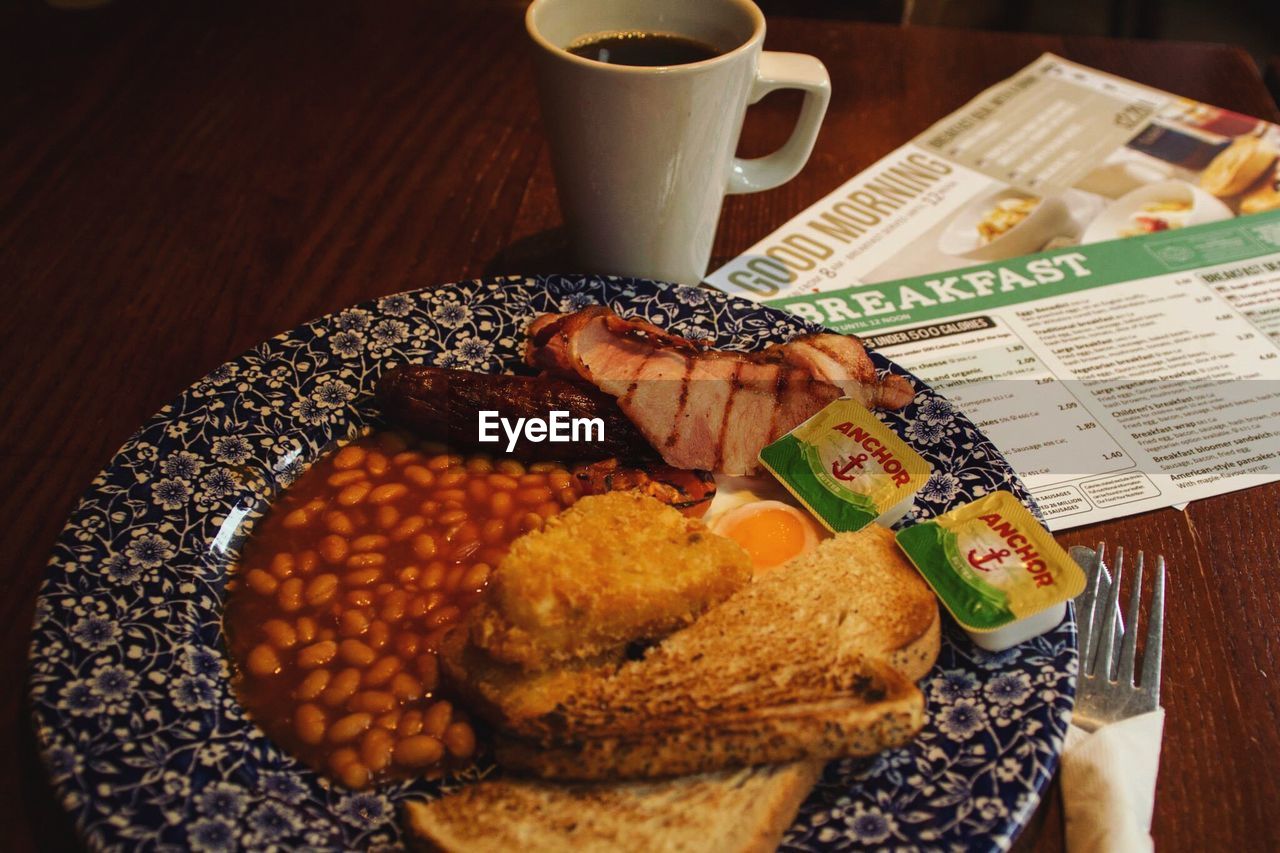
column 650, row 49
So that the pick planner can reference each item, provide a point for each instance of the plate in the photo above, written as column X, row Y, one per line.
column 142, row 735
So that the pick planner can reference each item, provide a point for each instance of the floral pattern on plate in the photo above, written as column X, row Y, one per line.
column 142, row 735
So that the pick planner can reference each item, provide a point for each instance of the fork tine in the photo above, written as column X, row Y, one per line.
column 1106, row 639
column 1155, row 636
column 1129, row 646
column 1084, row 621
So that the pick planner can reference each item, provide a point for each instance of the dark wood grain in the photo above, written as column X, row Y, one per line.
column 181, row 181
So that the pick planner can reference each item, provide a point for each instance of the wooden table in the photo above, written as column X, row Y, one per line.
column 181, row 181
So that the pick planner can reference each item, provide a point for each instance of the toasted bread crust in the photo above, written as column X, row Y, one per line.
column 744, row 811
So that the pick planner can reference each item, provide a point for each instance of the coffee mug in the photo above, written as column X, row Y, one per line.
column 643, row 156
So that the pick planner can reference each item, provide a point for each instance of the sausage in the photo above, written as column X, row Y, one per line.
column 445, row 405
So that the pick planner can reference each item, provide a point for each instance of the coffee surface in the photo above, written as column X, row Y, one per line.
column 640, row 48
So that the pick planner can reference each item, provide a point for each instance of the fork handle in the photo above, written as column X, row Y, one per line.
column 1109, row 784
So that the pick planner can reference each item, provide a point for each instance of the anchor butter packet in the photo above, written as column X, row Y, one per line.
column 847, row 468
column 997, row 570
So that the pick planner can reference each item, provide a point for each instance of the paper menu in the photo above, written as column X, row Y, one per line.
column 1117, row 375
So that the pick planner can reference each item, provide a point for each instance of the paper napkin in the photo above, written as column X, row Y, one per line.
column 1109, row 784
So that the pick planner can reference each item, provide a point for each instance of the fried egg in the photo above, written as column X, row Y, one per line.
column 762, row 517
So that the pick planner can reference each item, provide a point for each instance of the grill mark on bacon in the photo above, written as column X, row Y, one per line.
column 693, row 424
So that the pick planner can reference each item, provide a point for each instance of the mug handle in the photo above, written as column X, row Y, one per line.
column 778, row 70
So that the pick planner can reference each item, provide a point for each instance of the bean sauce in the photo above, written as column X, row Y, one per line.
column 346, row 587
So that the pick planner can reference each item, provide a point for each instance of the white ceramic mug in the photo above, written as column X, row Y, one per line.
column 643, row 156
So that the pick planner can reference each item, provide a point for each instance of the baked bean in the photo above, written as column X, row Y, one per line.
column 500, row 504
column 389, row 721
column 432, row 639
column 321, row 589
column 362, row 577
column 407, row 645
column 451, row 478
column 503, row 482
column 394, row 605
column 375, row 749
column 369, row 542
column 532, row 480
column 334, row 548
column 388, row 492
column 452, row 517
column 460, row 740
column 263, row 660
column 453, row 580
column 282, row 565
column 350, row 727
column 530, row 521
column 479, row 465
column 356, row 653
column 373, row 701
column 309, row 722
column 379, row 634
column 424, row 546
column 407, row 457
column 261, row 582
column 306, row 628
column 382, row 671
column 452, row 498
column 298, row 518
column 408, row 576
column 306, row 561
column 388, row 516
column 476, row 577
column 350, row 456
column 494, row 530
column 429, row 507
column 410, row 724
column 439, row 462
column 433, row 577
column 548, row 509
column 444, row 616
column 313, row 684
column 353, row 494
column 437, row 718
column 339, row 522
column 462, row 534
column 355, row 775
column 290, row 595
column 376, row 463
column 352, row 623
column 317, row 654
column 408, row 528
column 419, row 751
column 511, row 467
column 542, row 467
column 346, row 478
column 566, row 497
column 405, row 687
column 478, row 491
column 429, row 671
column 420, row 475
column 359, row 598
column 341, row 688
column 281, row 634
column 559, row 479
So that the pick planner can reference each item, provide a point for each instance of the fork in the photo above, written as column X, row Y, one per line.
column 1106, row 690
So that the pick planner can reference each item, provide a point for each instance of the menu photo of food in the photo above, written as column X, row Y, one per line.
column 1190, row 164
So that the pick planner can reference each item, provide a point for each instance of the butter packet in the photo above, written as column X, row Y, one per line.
column 997, row 570
column 847, row 468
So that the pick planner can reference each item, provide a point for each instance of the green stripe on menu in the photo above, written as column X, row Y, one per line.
column 1052, row 273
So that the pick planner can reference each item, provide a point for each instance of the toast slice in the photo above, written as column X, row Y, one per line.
column 737, row 811
column 815, row 659
column 609, row 570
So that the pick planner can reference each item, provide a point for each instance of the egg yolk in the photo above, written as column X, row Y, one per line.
column 770, row 537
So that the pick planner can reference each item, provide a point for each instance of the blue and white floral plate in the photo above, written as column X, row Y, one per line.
column 143, row 737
